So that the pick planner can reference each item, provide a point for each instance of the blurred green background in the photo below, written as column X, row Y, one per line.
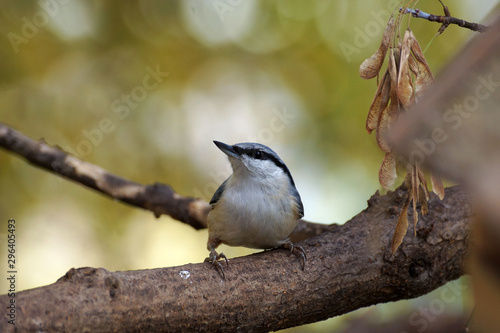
column 141, row 88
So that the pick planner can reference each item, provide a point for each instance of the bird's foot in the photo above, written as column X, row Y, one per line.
column 213, row 258
column 297, row 250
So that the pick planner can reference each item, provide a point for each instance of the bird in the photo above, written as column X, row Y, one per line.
column 257, row 206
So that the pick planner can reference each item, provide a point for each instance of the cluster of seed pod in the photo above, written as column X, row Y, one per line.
column 402, row 84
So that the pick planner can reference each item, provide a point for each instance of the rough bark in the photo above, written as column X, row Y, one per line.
column 348, row 267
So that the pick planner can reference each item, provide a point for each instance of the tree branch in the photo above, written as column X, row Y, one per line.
column 445, row 20
column 158, row 198
column 348, row 267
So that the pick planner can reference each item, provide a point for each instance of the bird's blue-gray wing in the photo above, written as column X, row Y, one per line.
column 300, row 206
column 218, row 193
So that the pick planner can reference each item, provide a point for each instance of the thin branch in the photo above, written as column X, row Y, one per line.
column 158, row 198
column 349, row 267
column 445, row 20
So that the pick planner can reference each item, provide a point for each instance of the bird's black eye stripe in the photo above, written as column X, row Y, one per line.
column 262, row 155
column 257, row 154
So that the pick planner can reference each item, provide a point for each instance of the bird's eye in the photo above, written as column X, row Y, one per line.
column 258, row 155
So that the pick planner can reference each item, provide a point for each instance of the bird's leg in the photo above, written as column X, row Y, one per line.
column 214, row 257
column 297, row 250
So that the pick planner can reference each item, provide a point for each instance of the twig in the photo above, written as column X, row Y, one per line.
column 445, row 20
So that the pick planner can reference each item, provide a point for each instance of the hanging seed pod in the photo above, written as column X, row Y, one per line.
column 395, row 93
column 371, row 66
column 412, row 63
column 437, row 186
column 387, row 173
column 424, row 208
column 423, row 182
column 382, row 128
column 393, row 71
column 379, row 103
column 424, row 78
column 404, row 88
column 401, row 228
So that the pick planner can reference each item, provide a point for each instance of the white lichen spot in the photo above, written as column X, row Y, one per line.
column 184, row 274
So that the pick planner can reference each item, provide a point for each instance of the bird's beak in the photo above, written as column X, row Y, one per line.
column 227, row 149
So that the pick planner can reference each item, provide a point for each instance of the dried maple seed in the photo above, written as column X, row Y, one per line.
column 387, row 173
column 404, row 88
column 423, row 200
column 401, row 228
column 382, row 128
column 437, row 186
column 424, row 78
column 379, row 103
column 371, row 66
column 412, row 63
column 393, row 71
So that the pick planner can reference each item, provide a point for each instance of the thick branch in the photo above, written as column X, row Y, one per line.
column 348, row 267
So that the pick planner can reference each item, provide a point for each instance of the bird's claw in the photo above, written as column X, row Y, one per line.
column 214, row 258
column 297, row 250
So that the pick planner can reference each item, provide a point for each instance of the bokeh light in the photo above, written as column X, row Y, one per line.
column 141, row 88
